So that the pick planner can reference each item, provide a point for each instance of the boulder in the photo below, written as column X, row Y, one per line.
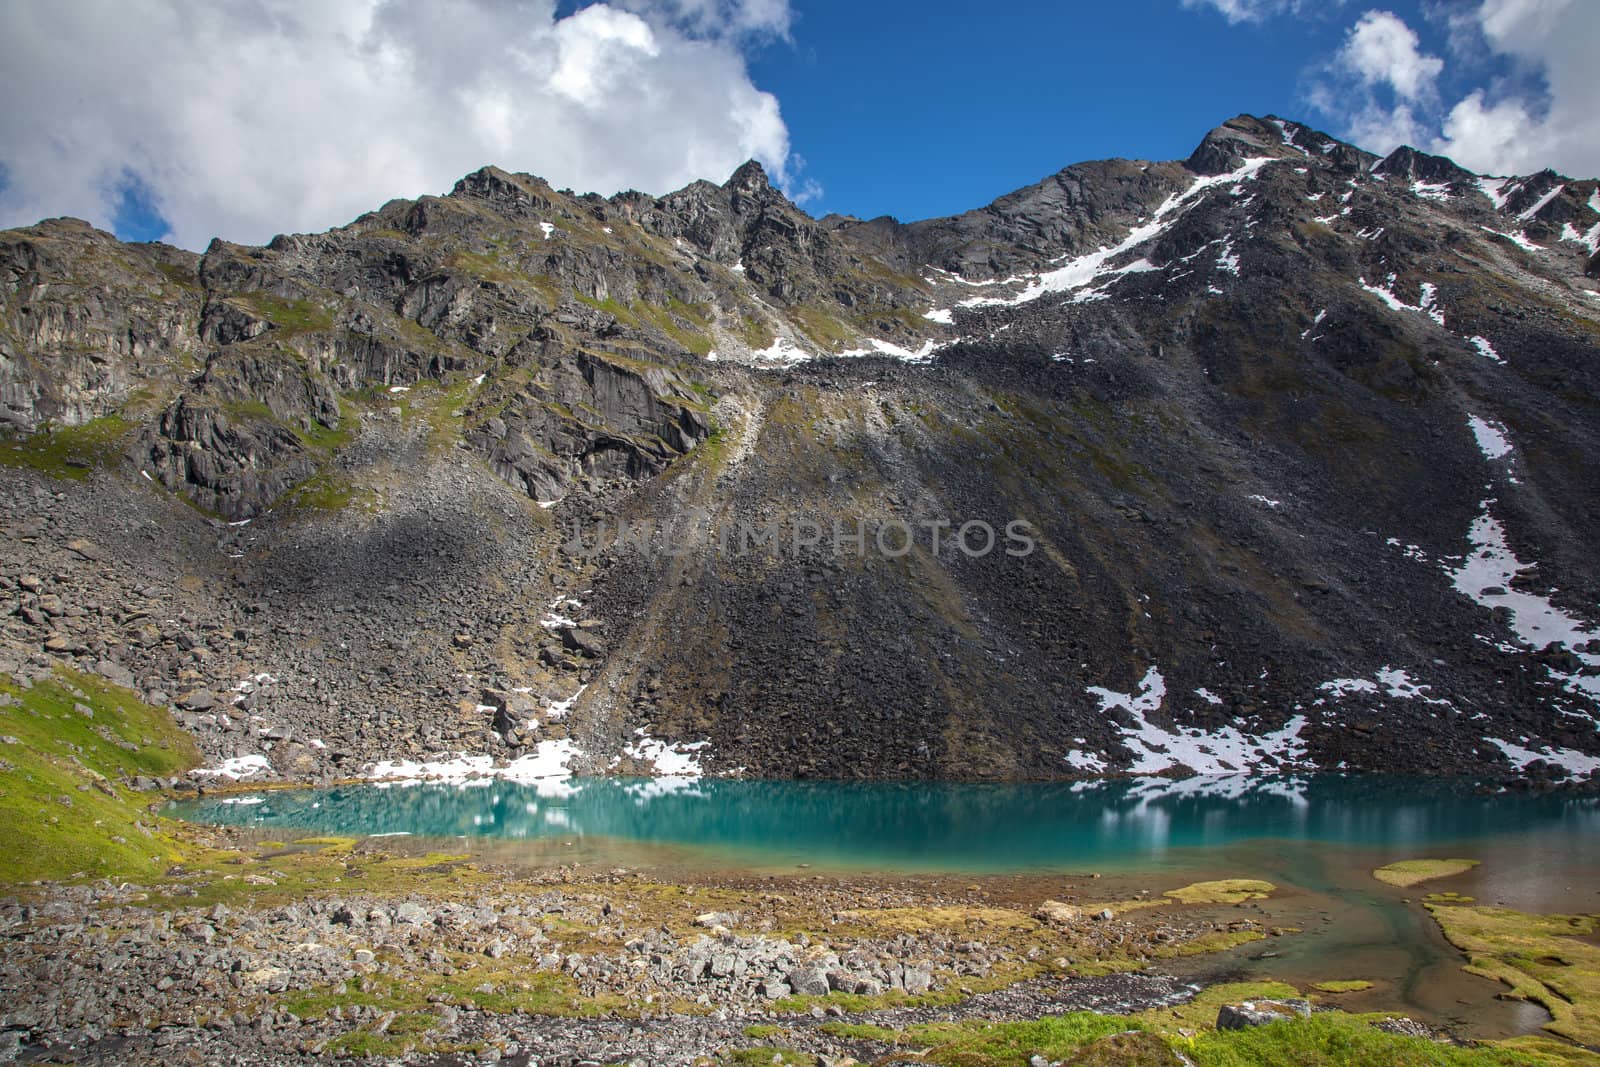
column 1054, row 911
column 1250, row 1013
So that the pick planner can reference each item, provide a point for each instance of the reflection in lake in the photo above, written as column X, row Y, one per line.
column 1124, row 824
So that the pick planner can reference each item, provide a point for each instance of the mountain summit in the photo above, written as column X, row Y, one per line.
column 1299, row 441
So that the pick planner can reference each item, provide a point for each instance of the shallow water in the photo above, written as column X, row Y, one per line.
column 1318, row 838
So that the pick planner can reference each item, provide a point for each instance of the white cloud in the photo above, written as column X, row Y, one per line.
column 1236, row 11
column 1381, row 49
column 1499, row 126
column 250, row 117
column 1554, row 41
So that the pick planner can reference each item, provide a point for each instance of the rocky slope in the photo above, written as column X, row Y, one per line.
column 1298, row 439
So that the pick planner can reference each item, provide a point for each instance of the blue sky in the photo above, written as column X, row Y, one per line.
column 929, row 108
column 180, row 122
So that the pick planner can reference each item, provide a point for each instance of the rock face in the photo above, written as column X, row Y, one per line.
column 1270, row 459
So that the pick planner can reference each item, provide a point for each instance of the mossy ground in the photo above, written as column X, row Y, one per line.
column 1407, row 873
column 66, row 814
column 1550, row 959
column 1161, row 1037
column 1355, row 985
column 67, row 451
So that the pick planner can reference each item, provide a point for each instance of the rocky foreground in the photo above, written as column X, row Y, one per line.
column 265, row 953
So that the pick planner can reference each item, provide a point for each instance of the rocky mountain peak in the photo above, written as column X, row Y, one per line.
column 1226, row 146
column 1248, row 403
column 749, row 180
column 1407, row 162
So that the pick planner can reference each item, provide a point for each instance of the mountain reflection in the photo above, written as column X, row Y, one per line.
column 951, row 826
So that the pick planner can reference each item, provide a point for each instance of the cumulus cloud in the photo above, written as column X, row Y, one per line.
column 249, row 117
column 1382, row 50
column 1516, row 132
column 1385, row 89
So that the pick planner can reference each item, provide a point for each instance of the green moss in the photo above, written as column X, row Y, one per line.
column 502, row 987
column 762, row 1032
column 68, row 451
column 755, row 333
column 1201, row 1012
column 65, row 813
column 1352, row 986
column 1549, row 959
column 1329, row 1039
column 326, row 492
column 765, row 1056
column 981, row 1043
column 289, row 316
column 1225, row 891
column 824, row 328
column 1413, row 872
column 861, row 1032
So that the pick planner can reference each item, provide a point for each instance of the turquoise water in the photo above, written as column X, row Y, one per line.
column 1114, row 825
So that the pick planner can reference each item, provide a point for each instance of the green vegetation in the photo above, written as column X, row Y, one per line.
column 65, row 746
column 1225, row 891
column 766, row 1056
column 1552, row 960
column 289, row 316
column 979, row 1043
column 68, row 451
column 1330, row 1039
column 823, row 327
column 1407, row 873
column 1352, row 986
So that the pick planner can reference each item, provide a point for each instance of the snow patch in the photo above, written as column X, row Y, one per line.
column 783, row 352
column 1439, row 191
column 1082, row 271
column 876, row 347
column 1427, row 299
column 238, row 768
column 1486, row 578
column 1491, row 437
column 548, row 759
column 1519, row 239
column 1314, row 324
column 1155, row 748
column 1576, row 762
column 1495, row 190
column 1543, row 200
column 679, row 760
column 1485, row 349
column 548, row 230
column 942, row 315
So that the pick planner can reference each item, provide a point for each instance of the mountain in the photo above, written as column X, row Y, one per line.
column 1286, row 451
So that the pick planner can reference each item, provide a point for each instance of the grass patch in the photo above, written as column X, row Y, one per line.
column 1225, row 891
column 65, row 814
column 1201, row 1012
column 502, row 987
column 289, row 316
column 1331, row 1039
column 765, row 1056
column 1408, row 873
column 67, row 451
column 1549, row 959
column 980, row 1043
column 1354, row 985
column 922, row 920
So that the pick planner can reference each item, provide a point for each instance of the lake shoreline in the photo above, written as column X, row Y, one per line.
column 414, row 953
